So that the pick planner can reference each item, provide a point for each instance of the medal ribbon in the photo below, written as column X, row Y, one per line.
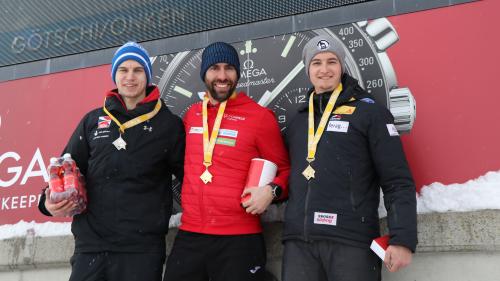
column 313, row 138
column 209, row 144
column 136, row 121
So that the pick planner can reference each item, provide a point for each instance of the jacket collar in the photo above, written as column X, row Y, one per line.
column 351, row 89
column 237, row 100
column 114, row 102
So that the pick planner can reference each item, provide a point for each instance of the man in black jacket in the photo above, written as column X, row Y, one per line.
column 343, row 147
column 127, row 150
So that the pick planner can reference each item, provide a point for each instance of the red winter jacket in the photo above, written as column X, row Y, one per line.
column 247, row 131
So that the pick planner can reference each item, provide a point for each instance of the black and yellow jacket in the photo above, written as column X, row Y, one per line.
column 359, row 153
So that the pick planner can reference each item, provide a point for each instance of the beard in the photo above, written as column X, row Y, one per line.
column 220, row 96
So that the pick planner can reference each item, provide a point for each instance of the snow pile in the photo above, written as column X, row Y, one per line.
column 476, row 194
column 175, row 221
column 23, row 228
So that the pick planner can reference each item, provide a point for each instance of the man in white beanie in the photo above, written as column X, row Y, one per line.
column 127, row 150
column 343, row 148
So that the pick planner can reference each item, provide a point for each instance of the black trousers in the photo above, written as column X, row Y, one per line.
column 328, row 261
column 202, row 257
column 112, row 266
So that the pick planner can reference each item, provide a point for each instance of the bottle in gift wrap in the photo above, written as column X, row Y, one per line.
column 70, row 177
column 56, row 183
column 81, row 198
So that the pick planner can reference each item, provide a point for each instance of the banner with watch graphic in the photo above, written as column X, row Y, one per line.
column 440, row 63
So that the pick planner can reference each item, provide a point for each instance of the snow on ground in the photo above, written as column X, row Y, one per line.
column 476, row 194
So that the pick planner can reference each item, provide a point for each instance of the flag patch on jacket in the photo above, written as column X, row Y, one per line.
column 103, row 122
column 226, row 141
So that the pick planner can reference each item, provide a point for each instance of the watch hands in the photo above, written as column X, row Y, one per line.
column 268, row 97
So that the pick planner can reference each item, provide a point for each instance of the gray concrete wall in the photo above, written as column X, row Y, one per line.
column 452, row 246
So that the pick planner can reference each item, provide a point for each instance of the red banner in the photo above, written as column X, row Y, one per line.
column 38, row 116
column 448, row 57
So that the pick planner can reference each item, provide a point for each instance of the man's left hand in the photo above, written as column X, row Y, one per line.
column 260, row 198
column 397, row 257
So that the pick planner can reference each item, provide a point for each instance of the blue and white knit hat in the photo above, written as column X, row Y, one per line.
column 131, row 51
column 216, row 53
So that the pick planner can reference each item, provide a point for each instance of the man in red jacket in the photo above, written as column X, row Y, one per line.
column 220, row 238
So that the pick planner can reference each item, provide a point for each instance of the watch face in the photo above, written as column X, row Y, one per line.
column 272, row 71
column 272, row 68
column 287, row 103
column 265, row 64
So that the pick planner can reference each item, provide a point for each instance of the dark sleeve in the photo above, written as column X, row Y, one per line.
column 79, row 149
column 395, row 179
column 41, row 203
column 178, row 144
column 78, row 145
column 271, row 147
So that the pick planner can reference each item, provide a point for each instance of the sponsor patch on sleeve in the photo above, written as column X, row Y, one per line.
column 196, row 130
column 325, row 218
column 338, row 126
column 392, row 130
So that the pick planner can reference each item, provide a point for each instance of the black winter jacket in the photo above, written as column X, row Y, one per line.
column 358, row 153
column 129, row 191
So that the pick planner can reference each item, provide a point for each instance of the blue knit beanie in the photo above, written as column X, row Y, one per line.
column 131, row 51
column 216, row 53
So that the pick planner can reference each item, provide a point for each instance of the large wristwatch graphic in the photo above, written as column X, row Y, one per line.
column 272, row 71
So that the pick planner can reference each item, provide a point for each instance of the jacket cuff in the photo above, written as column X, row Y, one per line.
column 41, row 204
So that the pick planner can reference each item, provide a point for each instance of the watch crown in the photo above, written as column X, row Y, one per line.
column 404, row 109
column 383, row 33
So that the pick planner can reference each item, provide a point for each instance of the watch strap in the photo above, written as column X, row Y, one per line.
column 276, row 190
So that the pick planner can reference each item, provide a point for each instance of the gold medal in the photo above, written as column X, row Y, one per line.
column 309, row 172
column 206, row 177
column 209, row 144
column 312, row 137
column 120, row 143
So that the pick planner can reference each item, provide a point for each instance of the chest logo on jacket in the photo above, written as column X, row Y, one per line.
column 335, row 117
column 325, row 218
column 231, row 117
column 100, row 134
column 103, row 122
column 338, row 126
column 225, row 136
column 344, row 109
